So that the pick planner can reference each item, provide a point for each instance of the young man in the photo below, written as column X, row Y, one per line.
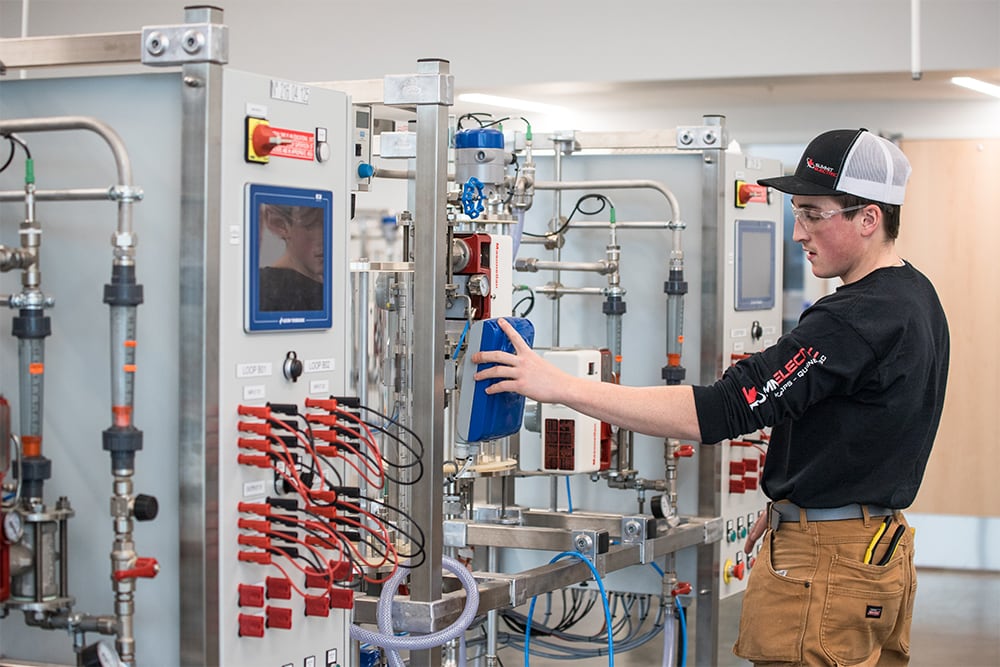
column 294, row 281
column 853, row 424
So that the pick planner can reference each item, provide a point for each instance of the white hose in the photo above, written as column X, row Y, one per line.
column 669, row 638
column 392, row 643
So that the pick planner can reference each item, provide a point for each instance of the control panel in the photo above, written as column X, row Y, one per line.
column 751, row 321
column 286, row 500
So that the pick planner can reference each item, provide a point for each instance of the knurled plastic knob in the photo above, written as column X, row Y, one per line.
column 145, row 508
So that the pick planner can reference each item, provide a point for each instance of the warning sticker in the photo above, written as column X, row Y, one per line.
column 295, row 144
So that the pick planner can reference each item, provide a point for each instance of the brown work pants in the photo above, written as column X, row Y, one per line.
column 812, row 600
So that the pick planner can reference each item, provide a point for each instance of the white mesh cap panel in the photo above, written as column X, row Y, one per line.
column 875, row 169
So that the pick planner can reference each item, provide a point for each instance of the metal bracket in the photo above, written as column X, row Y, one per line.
column 509, row 516
column 395, row 145
column 407, row 89
column 456, row 534
column 587, row 542
column 168, row 45
column 700, row 137
column 636, row 530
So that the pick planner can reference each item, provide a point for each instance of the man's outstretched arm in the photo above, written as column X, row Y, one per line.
column 666, row 411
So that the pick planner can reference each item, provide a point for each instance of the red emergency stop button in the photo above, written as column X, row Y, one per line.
column 739, row 570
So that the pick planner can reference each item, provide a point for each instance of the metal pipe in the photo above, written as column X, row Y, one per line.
column 534, row 265
column 555, row 224
column 491, row 616
column 123, row 556
column 126, row 194
column 559, row 290
column 638, row 224
column 70, row 194
column 559, row 185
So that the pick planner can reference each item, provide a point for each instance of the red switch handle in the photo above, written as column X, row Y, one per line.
column 682, row 588
column 144, row 567
column 684, row 450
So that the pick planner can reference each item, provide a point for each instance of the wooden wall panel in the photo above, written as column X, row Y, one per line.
column 950, row 230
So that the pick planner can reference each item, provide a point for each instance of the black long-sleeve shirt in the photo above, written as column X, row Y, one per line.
column 854, row 394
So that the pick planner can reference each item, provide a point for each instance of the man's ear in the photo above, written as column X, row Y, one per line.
column 871, row 219
column 275, row 224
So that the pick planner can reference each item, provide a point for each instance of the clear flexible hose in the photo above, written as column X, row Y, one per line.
column 392, row 643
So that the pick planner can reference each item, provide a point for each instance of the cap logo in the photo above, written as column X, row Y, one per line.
column 820, row 168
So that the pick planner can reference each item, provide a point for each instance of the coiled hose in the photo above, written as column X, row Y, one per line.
column 392, row 643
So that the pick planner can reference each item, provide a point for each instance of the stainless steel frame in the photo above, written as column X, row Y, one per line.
column 199, row 355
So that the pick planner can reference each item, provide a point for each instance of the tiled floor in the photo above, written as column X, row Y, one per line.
column 956, row 623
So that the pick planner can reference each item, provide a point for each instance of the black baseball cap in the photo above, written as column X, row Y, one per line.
column 854, row 162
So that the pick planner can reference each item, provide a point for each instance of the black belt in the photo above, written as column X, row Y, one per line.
column 785, row 511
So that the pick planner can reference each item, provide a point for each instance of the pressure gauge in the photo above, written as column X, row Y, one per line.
column 107, row 655
column 13, row 527
column 100, row 654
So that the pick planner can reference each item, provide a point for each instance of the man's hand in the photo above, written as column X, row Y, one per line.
column 756, row 530
column 523, row 372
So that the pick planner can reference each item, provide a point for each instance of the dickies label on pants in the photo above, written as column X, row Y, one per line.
column 873, row 612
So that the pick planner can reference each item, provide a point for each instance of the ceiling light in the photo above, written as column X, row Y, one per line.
column 977, row 85
column 510, row 103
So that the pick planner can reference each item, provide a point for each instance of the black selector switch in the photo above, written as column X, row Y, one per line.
column 292, row 368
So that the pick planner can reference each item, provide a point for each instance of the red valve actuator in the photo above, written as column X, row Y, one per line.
column 684, row 450
column 144, row 567
column 682, row 588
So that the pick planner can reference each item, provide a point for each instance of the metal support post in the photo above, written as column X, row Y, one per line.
column 199, row 354
column 432, row 91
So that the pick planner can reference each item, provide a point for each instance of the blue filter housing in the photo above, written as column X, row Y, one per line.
column 483, row 416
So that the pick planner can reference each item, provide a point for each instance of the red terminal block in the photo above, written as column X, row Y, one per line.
column 260, row 428
column 253, row 524
column 278, row 588
column 279, row 617
column 257, row 444
column 259, row 411
column 262, row 509
column 317, row 605
column 737, row 468
column 321, row 542
column 251, row 626
column 750, row 483
column 316, row 579
column 258, row 541
column 328, row 404
column 684, row 450
column 328, row 420
column 255, row 460
column 328, row 512
column 750, row 464
column 341, row 598
column 740, row 443
column 251, row 596
column 341, row 570
column 259, row 557
column 737, row 486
